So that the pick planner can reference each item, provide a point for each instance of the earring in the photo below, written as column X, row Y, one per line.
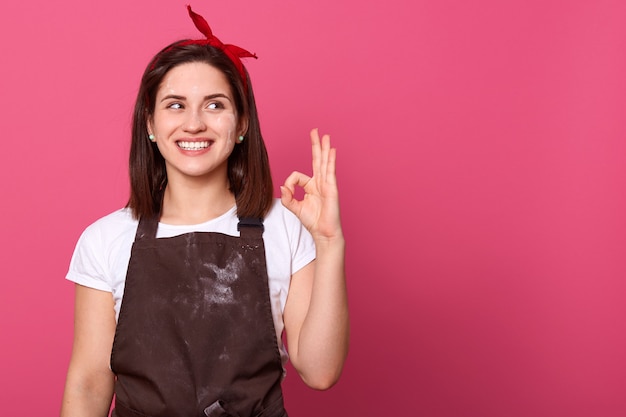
column 151, row 137
column 241, row 138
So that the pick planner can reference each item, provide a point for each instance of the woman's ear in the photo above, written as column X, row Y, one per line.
column 243, row 126
column 149, row 125
column 150, row 131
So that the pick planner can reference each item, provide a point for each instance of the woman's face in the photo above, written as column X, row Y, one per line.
column 194, row 122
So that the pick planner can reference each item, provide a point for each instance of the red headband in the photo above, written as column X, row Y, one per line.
column 232, row 51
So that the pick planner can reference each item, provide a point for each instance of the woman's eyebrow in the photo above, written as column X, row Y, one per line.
column 209, row 97
column 217, row 95
column 172, row 96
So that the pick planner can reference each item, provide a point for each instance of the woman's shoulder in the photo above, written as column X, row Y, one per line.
column 121, row 218
column 279, row 214
column 112, row 227
column 280, row 221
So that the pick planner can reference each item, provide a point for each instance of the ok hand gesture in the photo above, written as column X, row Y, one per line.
column 319, row 209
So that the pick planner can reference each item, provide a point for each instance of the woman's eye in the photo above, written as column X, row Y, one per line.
column 215, row 106
column 175, row 106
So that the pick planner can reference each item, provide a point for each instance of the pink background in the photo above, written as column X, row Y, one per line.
column 482, row 168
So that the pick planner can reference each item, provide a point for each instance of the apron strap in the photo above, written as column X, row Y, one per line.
column 250, row 227
column 147, row 228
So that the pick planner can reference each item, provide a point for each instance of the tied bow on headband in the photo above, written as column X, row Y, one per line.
column 233, row 52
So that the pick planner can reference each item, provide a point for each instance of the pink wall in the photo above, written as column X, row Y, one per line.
column 482, row 167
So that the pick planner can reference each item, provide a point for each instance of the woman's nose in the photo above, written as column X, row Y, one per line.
column 194, row 123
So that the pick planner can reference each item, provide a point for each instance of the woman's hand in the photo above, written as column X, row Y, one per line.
column 319, row 209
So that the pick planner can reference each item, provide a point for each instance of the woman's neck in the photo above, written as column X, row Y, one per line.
column 194, row 202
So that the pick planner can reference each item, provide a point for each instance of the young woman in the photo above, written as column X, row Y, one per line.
column 183, row 295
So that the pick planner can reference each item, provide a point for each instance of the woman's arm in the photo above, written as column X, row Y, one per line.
column 89, row 384
column 316, row 312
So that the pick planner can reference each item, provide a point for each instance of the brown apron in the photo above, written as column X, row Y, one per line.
column 195, row 335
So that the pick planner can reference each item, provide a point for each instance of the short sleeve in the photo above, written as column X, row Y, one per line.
column 301, row 241
column 87, row 266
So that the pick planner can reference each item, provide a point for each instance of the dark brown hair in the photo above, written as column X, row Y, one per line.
column 248, row 166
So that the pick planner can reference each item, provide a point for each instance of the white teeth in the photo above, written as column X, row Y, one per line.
column 192, row 146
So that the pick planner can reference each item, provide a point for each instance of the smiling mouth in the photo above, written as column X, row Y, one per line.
column 193, row 146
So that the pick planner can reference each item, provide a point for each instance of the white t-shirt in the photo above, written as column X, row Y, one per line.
column 101, row 256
